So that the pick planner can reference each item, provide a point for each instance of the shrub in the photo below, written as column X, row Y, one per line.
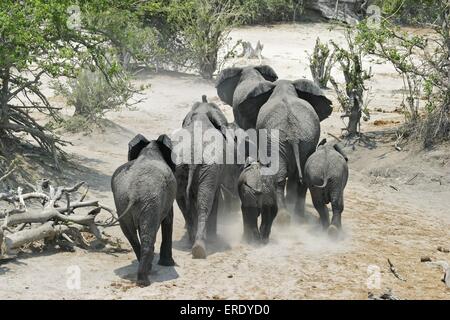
column 410, row 11
column 425, row 66
column 267, row 11
column 320, row 63
column 203, row 28
column 352, row 100
column 92, row 95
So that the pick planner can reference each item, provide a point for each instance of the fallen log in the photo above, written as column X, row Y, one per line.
column 44, row 231
column 56, row 220
column 46, row 215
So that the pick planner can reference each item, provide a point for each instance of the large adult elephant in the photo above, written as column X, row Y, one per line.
column 293, row 108
column 246, row 90
column 144, row 190
column 199, row 180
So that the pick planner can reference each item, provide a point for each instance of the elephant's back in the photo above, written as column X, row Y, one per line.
column 326, row 163
column 291, row 115
column 148, row 179
column 203, row 143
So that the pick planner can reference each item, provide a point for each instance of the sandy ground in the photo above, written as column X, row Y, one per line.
column 396, row 207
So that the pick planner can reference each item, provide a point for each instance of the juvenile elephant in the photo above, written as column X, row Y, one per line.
column 258, row 197
column 144, row 190
column 199, row 180
column 326, row 174
column 294, row 109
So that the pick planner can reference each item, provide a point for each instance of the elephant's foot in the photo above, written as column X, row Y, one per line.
column 143, row 281
column 252, row 237
column 166, row 262
column 199, row 250
column 191, row 236
column 301, row 219
column 212, row 237
column 283, row 218
column 333, row 232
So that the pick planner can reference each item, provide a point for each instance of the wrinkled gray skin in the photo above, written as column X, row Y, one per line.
column 198, row 185
column 326, row 174
column 246, row 90
column 298, row 125
column 258, row 197
column 144, row 190
column 294, row 108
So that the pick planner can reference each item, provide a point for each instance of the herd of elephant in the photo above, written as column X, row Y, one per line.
column 146, row 187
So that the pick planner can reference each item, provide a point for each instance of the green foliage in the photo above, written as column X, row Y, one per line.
column 203, row 29
column 321, row 63
column 92, row 95
column 352, row 100
column 423, row 62
column 267, row 11
column 128, row 36
column 36, row 40
column 410, row 11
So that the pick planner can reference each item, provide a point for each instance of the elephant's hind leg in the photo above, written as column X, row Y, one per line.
column 206, row 194
column 284, row 217
column 211, row 229
column 250, row 219
column 131, row 234
column 300, row 203
column 148, row 227
column 321, row 207
column 268, row 215
column 165, row 253
column 337, row 206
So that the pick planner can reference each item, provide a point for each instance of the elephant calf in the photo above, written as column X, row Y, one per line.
column 326, row 174
column 144, row 191
column 258, row 197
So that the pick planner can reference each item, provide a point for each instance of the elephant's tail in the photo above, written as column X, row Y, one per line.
column 296, row 151
column 124, row 213
column 188, row 187
column 325, row 182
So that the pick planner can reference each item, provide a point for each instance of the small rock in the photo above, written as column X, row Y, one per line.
column 425, row 259
column 230, row 276
column 444, row 250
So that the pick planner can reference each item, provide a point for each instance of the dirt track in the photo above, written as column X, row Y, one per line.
column 387, row 215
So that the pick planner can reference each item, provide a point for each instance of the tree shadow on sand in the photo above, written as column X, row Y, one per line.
column 157, row 274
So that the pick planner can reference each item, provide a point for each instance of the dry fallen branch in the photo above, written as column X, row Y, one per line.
column 394, row 271
column 56, row 220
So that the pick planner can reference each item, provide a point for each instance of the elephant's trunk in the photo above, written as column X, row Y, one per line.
column 296, row 151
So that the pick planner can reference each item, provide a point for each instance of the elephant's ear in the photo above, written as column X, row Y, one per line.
column 165, row 146
column 135, row 146
column 339, row 149
column 309, row 91
column 267, row 72
column 226, row 84
column 249, row 98
column 217, row 117
column 187, row 119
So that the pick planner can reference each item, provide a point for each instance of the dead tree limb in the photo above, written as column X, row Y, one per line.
column 57, row 219
column 394, row 271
